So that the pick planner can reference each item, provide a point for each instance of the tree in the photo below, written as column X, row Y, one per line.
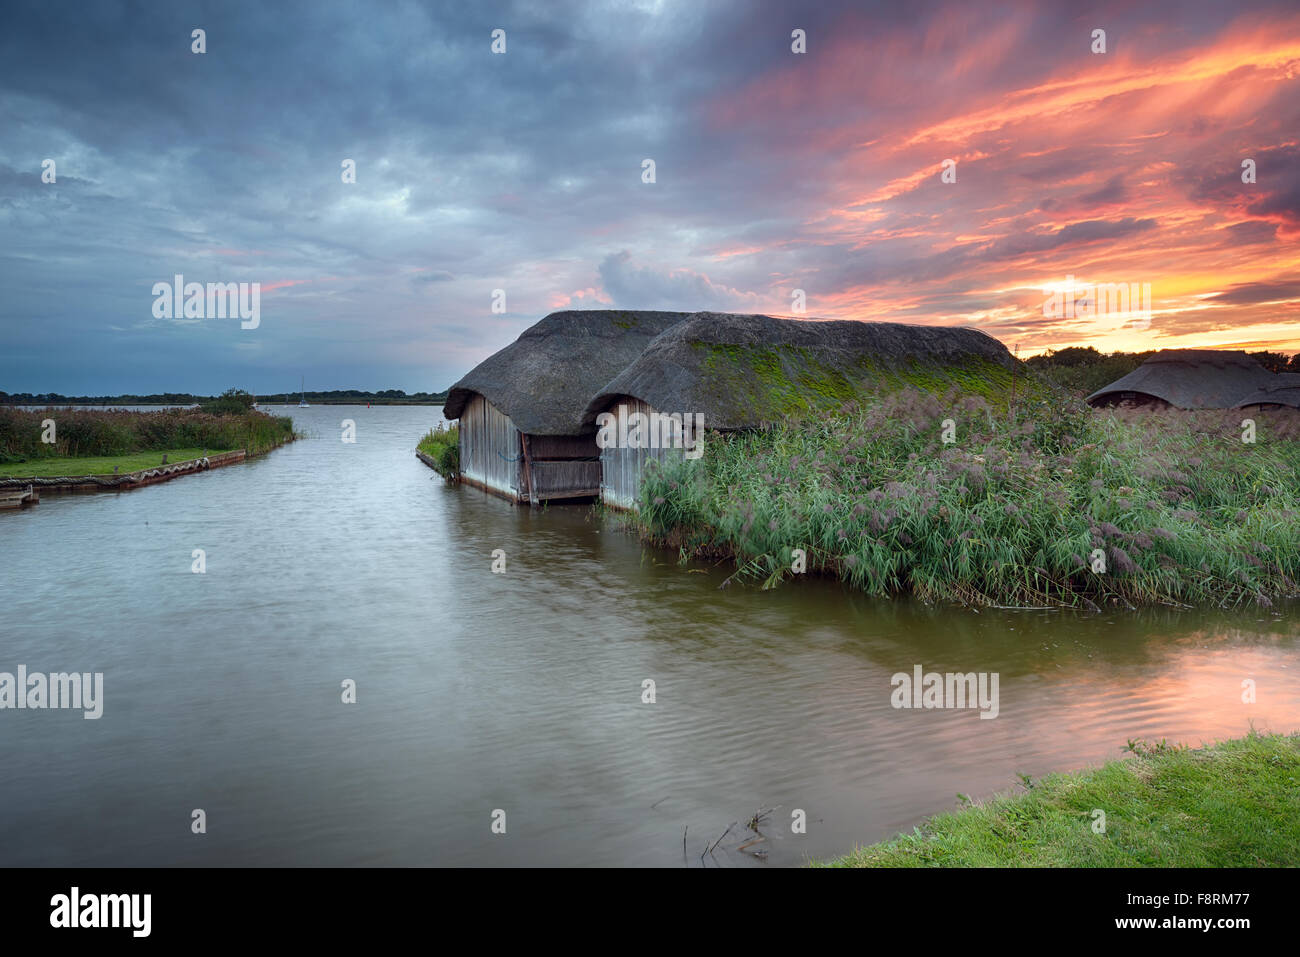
column 1074, row 356
column 230, row 402
column 1272, row 361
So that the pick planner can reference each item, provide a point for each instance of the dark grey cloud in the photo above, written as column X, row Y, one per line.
column 1114, row 192
column 478, row 172
column 1245, row 294
column 1075, row 234
column 1252, row 232
column 1275, row 194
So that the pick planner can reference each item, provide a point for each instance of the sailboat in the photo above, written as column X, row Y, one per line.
column 302, row 403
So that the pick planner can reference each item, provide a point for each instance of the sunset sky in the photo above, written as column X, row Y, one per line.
column 522, row 171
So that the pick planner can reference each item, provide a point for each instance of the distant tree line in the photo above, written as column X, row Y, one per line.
column 354, row 396
column 231, row 398
column 1084, row 370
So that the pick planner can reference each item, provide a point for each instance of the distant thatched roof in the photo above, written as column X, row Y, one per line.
column 544, row 379
column 740, row 371
column 1284, row 391
column 1192, row 379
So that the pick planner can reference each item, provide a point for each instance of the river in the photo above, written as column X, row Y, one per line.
column 523, row 691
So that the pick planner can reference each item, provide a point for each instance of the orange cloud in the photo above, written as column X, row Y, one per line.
column 1121, row 167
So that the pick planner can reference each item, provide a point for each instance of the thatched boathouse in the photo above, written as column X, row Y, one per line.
column 1284, row 391
column 742, row 371
column 521, row 410
column 1189, row 379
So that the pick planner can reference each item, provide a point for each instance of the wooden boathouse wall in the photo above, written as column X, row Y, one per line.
column 621, row 468
column 489, row 449
column 497, row 457
column 566, row 479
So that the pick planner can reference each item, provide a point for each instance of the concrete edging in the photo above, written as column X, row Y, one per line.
column 127, row 480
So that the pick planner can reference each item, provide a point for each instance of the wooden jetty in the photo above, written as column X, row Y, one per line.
column 19, row 498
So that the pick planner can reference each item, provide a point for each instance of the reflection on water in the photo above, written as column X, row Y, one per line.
column 522, row 691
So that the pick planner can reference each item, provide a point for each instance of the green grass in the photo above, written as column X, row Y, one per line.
column 1022, row 508
column 443, row 447
column 1235, row 804
column 51, row 467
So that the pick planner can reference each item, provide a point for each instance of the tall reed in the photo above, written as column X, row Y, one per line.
column 1064, row 505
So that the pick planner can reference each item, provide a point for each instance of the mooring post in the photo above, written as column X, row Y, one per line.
column 528, row 471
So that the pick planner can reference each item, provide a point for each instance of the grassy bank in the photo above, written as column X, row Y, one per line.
column 443, row 448
column 119, row 436
column 1051, row 504
column 55, row 466
column 1236, row 804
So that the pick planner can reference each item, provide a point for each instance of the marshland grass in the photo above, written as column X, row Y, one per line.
column 443, row 447
column 55, row 466
column 116, row 434
column 1235, row 804
column 1018, row 510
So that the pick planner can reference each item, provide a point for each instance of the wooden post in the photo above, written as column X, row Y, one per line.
column 528, row 470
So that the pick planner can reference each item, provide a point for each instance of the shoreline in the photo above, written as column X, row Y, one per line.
column 125, row 481
column 123, row 449
column 1229, row 804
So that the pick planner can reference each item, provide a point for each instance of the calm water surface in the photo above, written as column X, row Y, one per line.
column 522, row 691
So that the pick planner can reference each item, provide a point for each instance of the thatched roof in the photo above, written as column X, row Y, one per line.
column 544, row 379
column 740, row 371
column 1284, row 391
column 1192, row 379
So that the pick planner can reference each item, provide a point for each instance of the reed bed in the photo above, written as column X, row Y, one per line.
column 97, row 432
column 1052, row 505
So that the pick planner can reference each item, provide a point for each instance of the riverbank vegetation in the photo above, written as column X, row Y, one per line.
column 79, row 434
column 1049, row 504
column 1235, row 804
column 442, row 446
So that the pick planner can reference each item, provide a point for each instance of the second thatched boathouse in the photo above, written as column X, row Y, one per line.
column 1283, row 391
column 521, row 410
column 1189, row 379
column 734, row 372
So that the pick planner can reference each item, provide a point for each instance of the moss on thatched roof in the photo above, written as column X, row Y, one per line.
column 740, row 371
column 1193, row 379
column 544, row 379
